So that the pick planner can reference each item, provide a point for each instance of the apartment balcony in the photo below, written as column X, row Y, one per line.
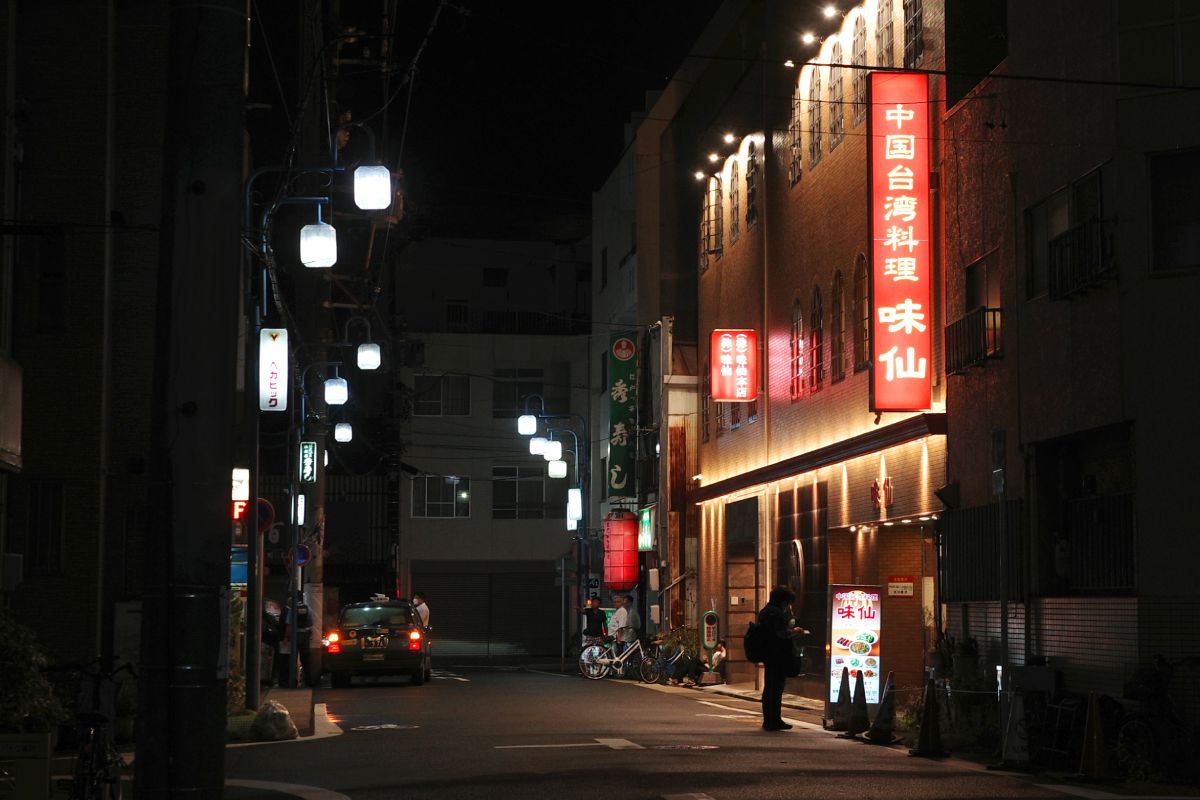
column 972, row 340
column 1082, row 258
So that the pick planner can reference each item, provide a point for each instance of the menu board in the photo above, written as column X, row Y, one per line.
column 855, row 627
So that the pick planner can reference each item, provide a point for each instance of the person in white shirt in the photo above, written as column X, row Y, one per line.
column 618, row 623
column 421, row 608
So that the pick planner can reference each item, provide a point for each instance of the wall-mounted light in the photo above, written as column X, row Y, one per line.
column 790, row 64
column 343, row 432
column 713, row 157
column 699, row 175
column 557, row 469
column 808, row 38
column 527, row 424
column 553, row 451
column 337, row 391
column 729, row 138
column 537, row 445
column 830, row 11
column 575, row 504
column 372, row 187
column 318, row 244
column 697, row 477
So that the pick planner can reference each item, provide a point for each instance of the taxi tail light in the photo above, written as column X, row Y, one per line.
column 414, row 640
column 335, row 643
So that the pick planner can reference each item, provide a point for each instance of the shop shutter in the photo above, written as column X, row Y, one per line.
column 458, row 608
column 526, row 612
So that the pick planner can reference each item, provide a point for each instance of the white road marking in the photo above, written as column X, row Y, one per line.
column 689, row 796
column 796, row 722
column 294, row 789
column 612, row 744
column 448, row 676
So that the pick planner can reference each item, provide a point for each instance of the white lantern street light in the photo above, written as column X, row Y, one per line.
column 537, row 445
column 553, row 451
column 343, row 432
column 572, row 524
column 368, row 356
column 337, row 391
column 318, row 244
column 527, row 424
column 557, row 469
column 372, row 187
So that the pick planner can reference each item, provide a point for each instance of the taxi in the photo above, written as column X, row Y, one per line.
column 378, row 637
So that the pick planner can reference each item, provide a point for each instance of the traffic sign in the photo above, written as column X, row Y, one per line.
column 266, row 515
column 302, row 555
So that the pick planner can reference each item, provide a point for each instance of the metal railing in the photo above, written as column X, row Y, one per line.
column 973, row 339
column 1082, row 257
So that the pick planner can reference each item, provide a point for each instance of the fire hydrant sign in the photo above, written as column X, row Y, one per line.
column 855, row 628
column 901, row 248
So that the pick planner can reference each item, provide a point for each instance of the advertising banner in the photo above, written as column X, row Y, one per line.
column 734, row 360
column 855, row 630
column 901, row 271
column 273, row 369
column 622, row 416
column 647, row 521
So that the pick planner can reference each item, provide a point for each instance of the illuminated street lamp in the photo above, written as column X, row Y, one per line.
column 372, row 187
column 553, row 451
column 537, row 445
column 337, row 391
column 527, row 424
column 343, row 432
column 318, row 244
column 369, row 356
column 557, row 469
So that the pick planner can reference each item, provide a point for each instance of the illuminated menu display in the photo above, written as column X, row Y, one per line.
column 901, row 250
column 734, row 357
column 854, row 638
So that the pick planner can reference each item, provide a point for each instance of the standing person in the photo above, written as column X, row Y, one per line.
column 777, row 616
column 298, row 627
column 593, row 622
column 618, row 623
column 422, row 608
column 630, row 632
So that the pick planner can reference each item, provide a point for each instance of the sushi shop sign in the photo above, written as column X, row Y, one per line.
column 855, row 630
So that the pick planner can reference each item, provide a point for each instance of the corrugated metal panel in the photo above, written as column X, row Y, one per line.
column 458, row 611
column 526, row 611
column 971, row 552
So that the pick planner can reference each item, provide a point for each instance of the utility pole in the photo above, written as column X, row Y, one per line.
column 185, row 611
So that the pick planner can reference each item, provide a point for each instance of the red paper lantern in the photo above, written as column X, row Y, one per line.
column 620, row 550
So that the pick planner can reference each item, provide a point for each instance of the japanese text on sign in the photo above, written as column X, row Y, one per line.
column 734, row 357
column 855, row 630
column 901, row 250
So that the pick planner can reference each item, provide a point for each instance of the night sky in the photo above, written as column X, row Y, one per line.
column 519, row 107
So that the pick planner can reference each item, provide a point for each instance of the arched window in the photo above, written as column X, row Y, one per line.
column 735, row 209
column 705, row 402
column 816, row 333
column 862, row 315
column 837, row 109
column 703, row 243
column 885, row 42
column 814, row 118
column 794, row 137
column 858, row 55
column 837, row 330
column 797, row 359
column 751, row 184
column 716, row 210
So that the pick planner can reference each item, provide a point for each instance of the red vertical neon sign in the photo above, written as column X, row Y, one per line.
column 901, row 250
column 734, row 357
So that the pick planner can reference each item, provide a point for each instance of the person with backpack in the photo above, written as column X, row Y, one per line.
column 775, row 625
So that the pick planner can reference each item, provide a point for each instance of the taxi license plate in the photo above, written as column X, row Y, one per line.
column 375, row 643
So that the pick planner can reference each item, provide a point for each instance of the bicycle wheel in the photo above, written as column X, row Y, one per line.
column 651, row 670
column 589, row 662
column 1136, row 752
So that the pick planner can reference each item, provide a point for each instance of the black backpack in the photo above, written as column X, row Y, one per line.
column 757, row 642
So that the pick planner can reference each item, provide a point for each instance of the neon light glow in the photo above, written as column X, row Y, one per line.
column 901, row 250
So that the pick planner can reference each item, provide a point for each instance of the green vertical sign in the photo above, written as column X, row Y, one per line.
column 308, row 462
column 622, row 415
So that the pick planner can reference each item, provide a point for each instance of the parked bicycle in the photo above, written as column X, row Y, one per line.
column 655, row 663
column 98, row 765
column 1154, row 740
column 599, row 660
